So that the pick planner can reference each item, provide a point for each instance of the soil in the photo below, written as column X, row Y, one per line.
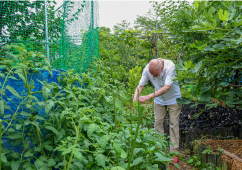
column 181, row 163
column 232, row 146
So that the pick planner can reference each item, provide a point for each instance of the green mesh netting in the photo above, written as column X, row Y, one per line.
column 66, row 33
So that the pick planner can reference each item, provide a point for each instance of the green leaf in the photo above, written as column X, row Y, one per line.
column 29, row 168
column 51, row 162
column 101, row 159
column 183, row 100
column 52, row 129
column 2, row 91
column 78, row 155
column 37, row 149
column 15, row 165
column 136, row 150
column 49, row 148
column 66, row 151
column 13, row 91
column 176, row 165
column 39, row 164
column 1, row 107
column 15, row 155
column 24, row 113
column 78, row 164
column 223, row 15
column 231, row 14
column 7, row 106
column 48, row 107
column 7, row 116
column 36, row 124
column 104, row 140
column 34, row 98
column 162, row 158
column 117, row 147
column 123, row 154
column 15, row 58
column 26, row 145
column 45, row 92
column 207, row 25
column 238, row 41
column 91, row 128
column 39, row 117
column 198, row 28
column 28, row 154
column 198, row 114
column 3, row 157
column 117, row 168
column 15, row 136
column 2, row 75
column 27, row 122
column 227, row 4
column 137, row 161
column 22, row 77
column 197, row 67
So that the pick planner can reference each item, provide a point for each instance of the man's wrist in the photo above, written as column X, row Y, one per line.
column 152, row 95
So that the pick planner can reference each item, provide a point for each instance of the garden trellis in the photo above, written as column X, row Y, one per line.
column 67, row 34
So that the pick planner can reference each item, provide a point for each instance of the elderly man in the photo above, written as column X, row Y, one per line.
column 160, row 72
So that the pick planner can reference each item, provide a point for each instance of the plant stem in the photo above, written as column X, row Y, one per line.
column 131, row 115
column 136, row 133
column 65, row 162
column 131, row 119
column 14, row 114
column 1, row 144
column 115, row 123
column 26, row 83
column 77, row 135
column 40, row 142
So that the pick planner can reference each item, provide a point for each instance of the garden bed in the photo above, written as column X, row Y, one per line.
column 226, row 154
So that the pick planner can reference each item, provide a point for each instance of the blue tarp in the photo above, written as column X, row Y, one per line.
column 13, row 101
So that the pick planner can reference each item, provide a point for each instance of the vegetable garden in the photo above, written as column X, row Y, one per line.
column 67, row 86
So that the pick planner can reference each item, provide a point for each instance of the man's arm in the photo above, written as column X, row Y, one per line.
column 159, row 92
column 140, row 88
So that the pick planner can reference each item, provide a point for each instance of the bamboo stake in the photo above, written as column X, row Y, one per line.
column 232, row 155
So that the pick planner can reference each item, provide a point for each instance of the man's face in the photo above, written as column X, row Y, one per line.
column 156, row 72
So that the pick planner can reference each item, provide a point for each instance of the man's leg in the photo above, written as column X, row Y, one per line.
column 174, row 111
column 160, row 113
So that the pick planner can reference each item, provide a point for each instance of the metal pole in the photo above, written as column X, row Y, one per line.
column 92, row 24
column 157, row 49
column 46, row 32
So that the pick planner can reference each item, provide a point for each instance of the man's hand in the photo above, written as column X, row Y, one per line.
column 144, row 98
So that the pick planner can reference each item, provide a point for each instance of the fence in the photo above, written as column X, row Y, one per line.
column 67, row 35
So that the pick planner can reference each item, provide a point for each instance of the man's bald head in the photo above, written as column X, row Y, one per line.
column 155, row 67
column 155, row 64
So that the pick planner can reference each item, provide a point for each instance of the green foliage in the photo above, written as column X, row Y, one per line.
column 134, row 78
column 196, row 162
column 78, row 130
column 209, row 36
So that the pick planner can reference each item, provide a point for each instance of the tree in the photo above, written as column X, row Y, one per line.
column 24, row 20
column 210, row 35
column 151, row 21
column 124, row 25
